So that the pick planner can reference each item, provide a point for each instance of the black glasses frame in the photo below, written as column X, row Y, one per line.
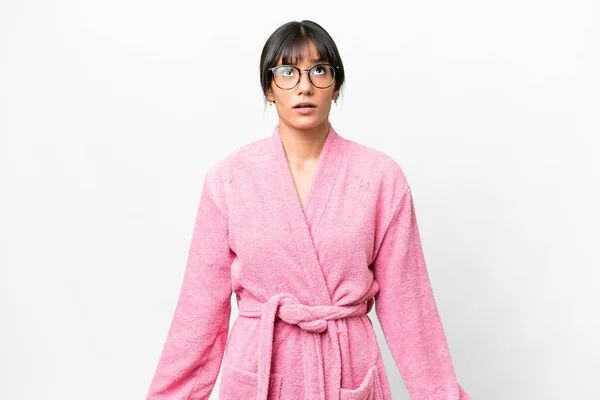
column 272, row 69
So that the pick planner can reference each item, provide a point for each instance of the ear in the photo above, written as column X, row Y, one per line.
column 336, row 95
column 270, row 96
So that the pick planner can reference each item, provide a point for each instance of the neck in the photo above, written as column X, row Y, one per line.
column 302, row 145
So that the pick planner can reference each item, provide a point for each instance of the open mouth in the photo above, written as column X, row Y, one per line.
column 304, row 105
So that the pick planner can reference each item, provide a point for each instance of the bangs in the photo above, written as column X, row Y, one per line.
column 296, row 48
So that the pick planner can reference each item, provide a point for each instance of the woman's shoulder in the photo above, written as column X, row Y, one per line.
column 386, row 177
column 377, row 163
column 227, row 167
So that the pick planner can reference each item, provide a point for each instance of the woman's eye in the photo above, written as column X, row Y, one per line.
column 285, row 72
column 319, row 70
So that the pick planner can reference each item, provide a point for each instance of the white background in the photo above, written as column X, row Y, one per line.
column 111, row 112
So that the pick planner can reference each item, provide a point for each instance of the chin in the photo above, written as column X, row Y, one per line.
column 306, row 122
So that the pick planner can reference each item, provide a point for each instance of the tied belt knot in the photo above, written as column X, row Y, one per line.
column 313, row 320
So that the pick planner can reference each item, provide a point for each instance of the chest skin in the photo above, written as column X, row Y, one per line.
column 303, row 175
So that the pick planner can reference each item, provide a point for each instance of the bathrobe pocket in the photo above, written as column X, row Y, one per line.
column 237, row 383
column 369, row 389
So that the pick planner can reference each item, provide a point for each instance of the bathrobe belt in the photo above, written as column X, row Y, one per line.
column 313, row 320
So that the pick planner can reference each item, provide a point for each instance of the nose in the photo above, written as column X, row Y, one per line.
column 304, row 85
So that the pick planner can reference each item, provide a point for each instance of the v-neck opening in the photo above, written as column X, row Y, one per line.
column 324, row 178
column 304, row 206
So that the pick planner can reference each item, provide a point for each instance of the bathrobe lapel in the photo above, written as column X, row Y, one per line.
column 304, row 220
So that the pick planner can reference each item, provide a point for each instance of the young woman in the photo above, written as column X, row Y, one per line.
column 310, row 230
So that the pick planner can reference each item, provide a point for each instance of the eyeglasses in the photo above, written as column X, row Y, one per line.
column 286, row 77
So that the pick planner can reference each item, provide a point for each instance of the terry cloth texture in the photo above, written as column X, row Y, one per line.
column 305, row 278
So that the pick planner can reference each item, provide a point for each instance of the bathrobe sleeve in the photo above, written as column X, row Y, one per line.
column 195, row 344
column 407, row 312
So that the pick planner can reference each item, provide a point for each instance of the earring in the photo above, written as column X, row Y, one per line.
column 335, row 101
column 270, row 103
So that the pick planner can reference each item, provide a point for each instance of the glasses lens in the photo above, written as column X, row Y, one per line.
column 285, row 77
column 322, row 75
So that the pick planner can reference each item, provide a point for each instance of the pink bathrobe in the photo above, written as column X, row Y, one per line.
column 305, row 279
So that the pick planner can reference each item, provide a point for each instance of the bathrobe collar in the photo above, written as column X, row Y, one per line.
column 303, row 221
column 324, row 178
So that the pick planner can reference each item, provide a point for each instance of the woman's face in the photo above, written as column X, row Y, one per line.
column 304, row 91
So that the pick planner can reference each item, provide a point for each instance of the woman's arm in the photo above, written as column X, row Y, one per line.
column 194, row 348
column 406, row 309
